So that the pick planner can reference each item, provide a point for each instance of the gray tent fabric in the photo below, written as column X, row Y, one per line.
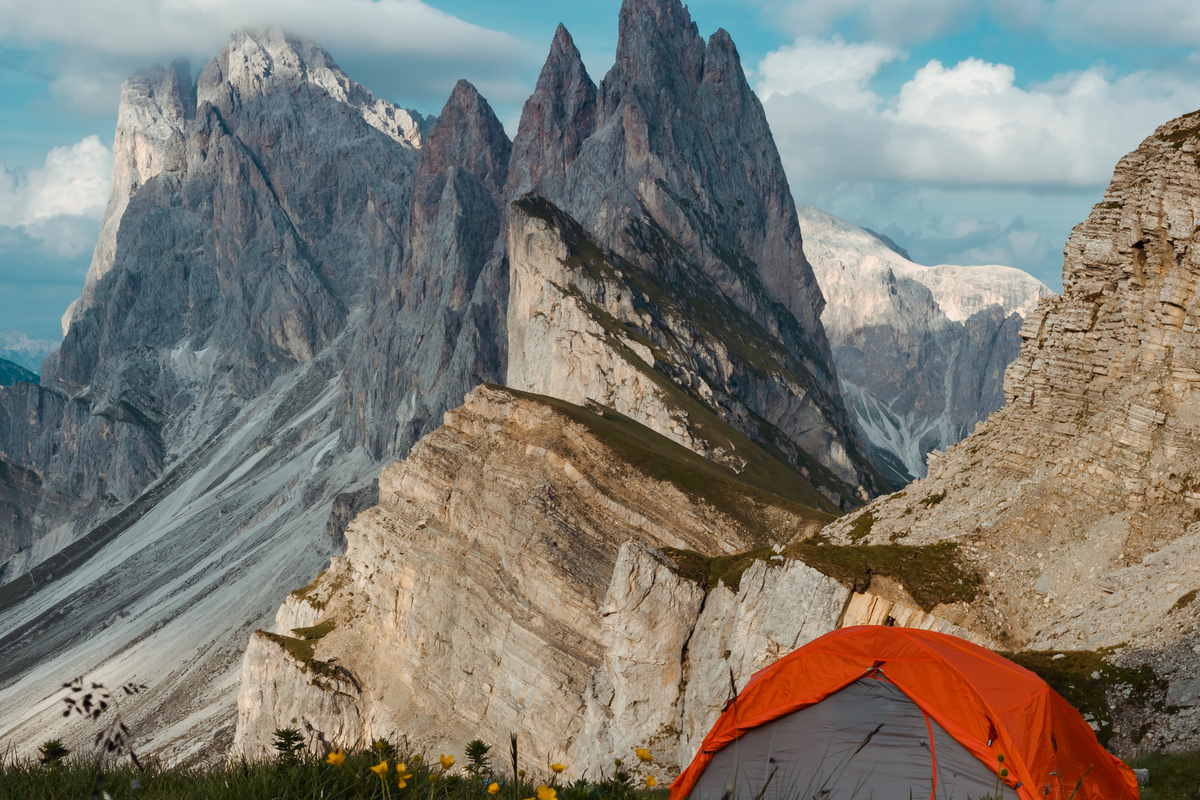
column 867, row 742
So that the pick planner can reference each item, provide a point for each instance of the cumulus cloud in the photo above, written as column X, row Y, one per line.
column 969, row 123
column 962, row 164
column 887, row 20
column 832, row 69
column 60, row 203
column 102, row 42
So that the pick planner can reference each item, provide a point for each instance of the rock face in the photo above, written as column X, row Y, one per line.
column 532, row 566
column 1081, row 491
column 920, row 351
column 671, row 166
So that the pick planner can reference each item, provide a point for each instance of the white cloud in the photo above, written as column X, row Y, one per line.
column 833, row 69
column 411, row 48
column 962, row 164
column 154, row 27
column 60, row 202
column 969, row 123
column 887, row 20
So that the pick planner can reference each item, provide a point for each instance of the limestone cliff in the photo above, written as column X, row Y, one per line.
column 535, row 566
column 1081, row 494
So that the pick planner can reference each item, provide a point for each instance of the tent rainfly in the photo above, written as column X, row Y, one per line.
column 899, row 714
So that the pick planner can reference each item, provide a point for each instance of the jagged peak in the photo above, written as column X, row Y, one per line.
column 468, row 134
column 557, row 117
column 722, row 62
column 258, row 60
column 161, row 93
column 657, row 43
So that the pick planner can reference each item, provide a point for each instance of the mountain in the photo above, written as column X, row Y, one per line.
column 920, row 351
column 1079, row 496
column 11, row 373
column 24, row 351
column 187, row 458
column 296, row 281
column 704, row 301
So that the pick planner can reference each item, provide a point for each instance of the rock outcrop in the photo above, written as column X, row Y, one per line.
column 535, row 566
column 920, row 351
column 1080, row 495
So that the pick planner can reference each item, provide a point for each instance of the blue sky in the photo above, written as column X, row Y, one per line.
column 970, row 131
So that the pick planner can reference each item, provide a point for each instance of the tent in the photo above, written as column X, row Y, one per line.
column 898, row 713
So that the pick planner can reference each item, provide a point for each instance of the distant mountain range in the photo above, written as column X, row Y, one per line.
column 21, row 349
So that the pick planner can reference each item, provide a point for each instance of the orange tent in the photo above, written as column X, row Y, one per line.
column 986, row 718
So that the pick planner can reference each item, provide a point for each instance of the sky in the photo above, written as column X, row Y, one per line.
column 968, row 131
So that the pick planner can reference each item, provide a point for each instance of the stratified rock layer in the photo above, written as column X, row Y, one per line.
column 1082, row 492
column 532, row 566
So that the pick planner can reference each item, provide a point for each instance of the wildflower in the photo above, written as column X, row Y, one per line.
column 644, row 755
column 401, row 783
column 381, row 768
column 557, row 767
column 403, row 774
column 335, row 758
column 545, row 792
column 447, row 761
column 493, row 788
column 651, row 781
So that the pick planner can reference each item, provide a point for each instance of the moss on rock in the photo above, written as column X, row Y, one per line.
column 931, row 574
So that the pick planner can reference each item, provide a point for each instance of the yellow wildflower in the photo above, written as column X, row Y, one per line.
column 335, row 758
column 651, row 781
column 644, row 755
column 381, row 768
column 493, row 788
column 447, row 761
column 401, row 783
column 557, row 767
column 545, row 792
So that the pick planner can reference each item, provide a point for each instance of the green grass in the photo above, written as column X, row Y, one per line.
column 1172, row 777
column 931, row 574
column 745, row 497
column 308, row 778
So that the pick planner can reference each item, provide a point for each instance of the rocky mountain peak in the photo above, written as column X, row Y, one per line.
column 154, row 108
column 557, row 118
column 658, row 47
column 470, row 136
column 258, row 61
